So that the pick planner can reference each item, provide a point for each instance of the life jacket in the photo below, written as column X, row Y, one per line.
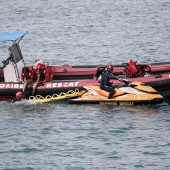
column 27, row 73
column 45, row 72
column 39, row 68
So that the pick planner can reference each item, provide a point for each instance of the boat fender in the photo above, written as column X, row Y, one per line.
column 19, row 95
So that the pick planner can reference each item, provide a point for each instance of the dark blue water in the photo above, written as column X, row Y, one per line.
column 70, row 137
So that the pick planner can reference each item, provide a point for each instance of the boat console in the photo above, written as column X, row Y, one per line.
column 12, row 66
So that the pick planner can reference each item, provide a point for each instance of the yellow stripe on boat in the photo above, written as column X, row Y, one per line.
column 70, row 94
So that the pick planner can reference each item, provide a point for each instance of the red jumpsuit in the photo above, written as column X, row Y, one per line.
column 46, row 74
column 27, row 73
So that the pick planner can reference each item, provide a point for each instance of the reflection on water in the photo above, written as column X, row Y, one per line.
column 141, row 109
column 26, row 109
column 46, row 108
column 88, row 130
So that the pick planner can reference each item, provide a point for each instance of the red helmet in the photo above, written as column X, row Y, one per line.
column 19, row 95
column 110, row 67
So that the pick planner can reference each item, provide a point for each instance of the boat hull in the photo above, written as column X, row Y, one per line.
column 67, row 72
column 8, row 90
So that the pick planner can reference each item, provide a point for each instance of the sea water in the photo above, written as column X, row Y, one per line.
column 79, row 137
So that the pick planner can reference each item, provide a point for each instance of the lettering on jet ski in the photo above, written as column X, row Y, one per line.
column 126, row 103
column 141, row 98
column 119, row 103
column 62, row 84
column 11, row 86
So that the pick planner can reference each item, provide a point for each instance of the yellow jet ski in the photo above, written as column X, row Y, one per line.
column 129, row 94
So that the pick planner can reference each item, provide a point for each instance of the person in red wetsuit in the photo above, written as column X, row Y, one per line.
column 45, row 72
column 27, row 73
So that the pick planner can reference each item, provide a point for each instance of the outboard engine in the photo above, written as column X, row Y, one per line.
column 14, row 64
column 132, row 69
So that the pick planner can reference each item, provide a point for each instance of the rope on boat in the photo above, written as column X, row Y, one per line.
column 62, row 95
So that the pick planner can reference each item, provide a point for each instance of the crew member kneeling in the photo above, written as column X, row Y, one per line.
column 27, row 73
column 46, row 74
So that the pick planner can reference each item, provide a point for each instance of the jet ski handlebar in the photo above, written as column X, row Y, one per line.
column 125, row 81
